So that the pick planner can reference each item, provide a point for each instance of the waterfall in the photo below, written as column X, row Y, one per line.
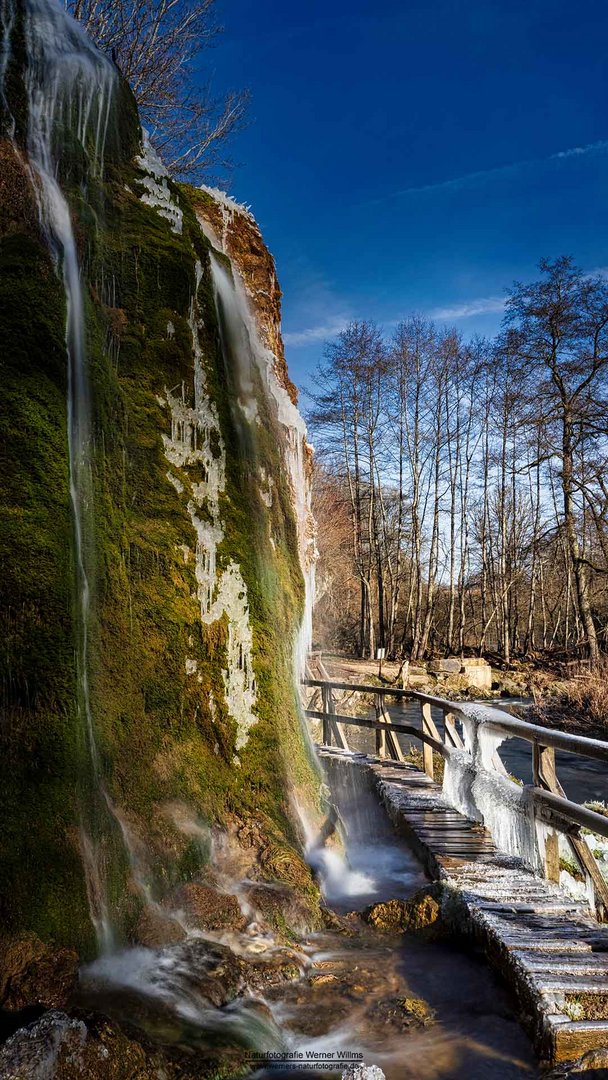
column 252, row 358
column 69, row 85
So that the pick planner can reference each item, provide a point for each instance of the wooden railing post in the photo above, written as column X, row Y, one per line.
column 327, row 708
column 452, row 735
column 380, row 732
column 544, row 775
column 427, row 751
column 390, row 744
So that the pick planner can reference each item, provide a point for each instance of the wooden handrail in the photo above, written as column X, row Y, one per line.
column 392, row 691
column 494, row 718
column 549, row 801
column 581, row 815
column 379, row 725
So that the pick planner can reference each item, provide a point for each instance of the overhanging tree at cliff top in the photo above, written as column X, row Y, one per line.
column 156, row 44
column 559, row 331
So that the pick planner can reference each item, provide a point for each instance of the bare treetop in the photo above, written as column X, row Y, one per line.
column 156, row 44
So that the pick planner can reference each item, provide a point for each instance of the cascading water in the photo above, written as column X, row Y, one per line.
column 69, row 86
column 254, row 360
column 374, row 864
column 198, row 988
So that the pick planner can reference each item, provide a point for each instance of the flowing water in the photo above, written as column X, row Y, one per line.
column 345, row 1001
column 69, row 87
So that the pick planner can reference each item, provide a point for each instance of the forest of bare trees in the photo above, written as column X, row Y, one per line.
column 461, row 487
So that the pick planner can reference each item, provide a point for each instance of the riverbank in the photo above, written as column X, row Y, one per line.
column 461, row 680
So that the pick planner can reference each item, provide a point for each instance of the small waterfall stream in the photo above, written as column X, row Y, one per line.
column 251, row 361
column 70, row 86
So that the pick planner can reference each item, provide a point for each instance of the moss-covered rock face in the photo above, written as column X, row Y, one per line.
column 176, row 648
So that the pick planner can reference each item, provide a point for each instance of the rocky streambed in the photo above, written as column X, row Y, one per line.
column 250, row 977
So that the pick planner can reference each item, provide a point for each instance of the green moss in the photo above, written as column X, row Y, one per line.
column 41, row 883
column 164, row 735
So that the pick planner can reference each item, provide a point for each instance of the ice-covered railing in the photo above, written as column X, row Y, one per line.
column 535, row 822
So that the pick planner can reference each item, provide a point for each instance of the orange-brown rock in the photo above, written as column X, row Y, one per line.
column 32, row 973
column 422, row 912
column 238, row 235
column 156, row 929
column 207, row 909
column 283, row 908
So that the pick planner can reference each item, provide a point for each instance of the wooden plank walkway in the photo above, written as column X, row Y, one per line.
column 546, row 946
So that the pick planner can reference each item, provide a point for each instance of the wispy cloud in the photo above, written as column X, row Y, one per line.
column 315, row 310
column 488, row 305
column 457, row 183
column 311, row 334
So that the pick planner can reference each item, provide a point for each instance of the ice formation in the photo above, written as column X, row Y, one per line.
column 228, row 208
column 196, row 449
column 157, row 193
column 472, row 785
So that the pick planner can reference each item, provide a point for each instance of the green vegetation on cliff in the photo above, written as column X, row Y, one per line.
column 164, row 733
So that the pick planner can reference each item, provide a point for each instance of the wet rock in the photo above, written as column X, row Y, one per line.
column 400, row 1013
column 282, row 908
column 285, row 865
column 266, row 974
column 417, row 1009
column 422, row 912
column 323, row 978
column 156, row 929
column 144, row 994
column 344, row 924
column 32, row 973
column 89, row 1047
column 207, row 909
column 390, row 915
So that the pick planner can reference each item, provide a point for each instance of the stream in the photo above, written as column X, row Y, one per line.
column 345, row 1005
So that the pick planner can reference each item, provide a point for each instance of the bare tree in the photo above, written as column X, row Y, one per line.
column 346, row 417
column 475, row 477
column 156, row 44
column 561, row 329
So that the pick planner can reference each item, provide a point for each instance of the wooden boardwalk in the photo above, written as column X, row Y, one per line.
column 547, row 947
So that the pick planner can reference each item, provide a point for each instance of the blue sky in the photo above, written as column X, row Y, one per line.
column 410, row 156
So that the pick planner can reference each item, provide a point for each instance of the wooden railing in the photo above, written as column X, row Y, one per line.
column 462, row 723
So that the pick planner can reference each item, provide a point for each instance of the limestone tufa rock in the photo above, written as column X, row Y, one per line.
column 449, row 666
column 207, row 909
column 155, row 929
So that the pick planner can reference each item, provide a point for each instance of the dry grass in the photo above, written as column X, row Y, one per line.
column 578, row 703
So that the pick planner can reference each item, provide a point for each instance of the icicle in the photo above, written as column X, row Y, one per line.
column 156, row 188
column 473, row 786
